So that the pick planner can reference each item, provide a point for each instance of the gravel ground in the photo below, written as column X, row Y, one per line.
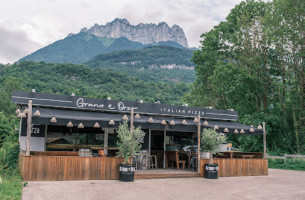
column 279, row 184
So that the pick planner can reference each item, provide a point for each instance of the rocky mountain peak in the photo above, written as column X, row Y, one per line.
column 143, row 33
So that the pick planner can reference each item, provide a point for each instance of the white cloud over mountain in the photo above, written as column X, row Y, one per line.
column 26, row 26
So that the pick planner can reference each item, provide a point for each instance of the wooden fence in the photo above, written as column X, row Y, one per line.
column 238, row 167
column 287, row 156
column 60, row 168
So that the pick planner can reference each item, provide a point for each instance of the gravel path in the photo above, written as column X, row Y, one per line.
column 279, row 184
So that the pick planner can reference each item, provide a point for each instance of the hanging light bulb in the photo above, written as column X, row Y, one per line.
column 206, row 123
column 150, row 120
column 196, row 120
column 70, row 125
column 242, row 131
column 111, row 122
column 125, row 118
column 172, row 123
column 18, row 111
column 236, row 131
column 37, row 113
column 216, row 127
column 251, row 130
column 80, row 125
column 259, row 127
column 184, row 122
column 226, row 130
column 96, row 125
column 137, row 116
column 163, row 122
column 53, row 120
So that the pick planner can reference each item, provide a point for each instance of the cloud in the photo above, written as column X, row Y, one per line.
column 38, row 23
column 14, row 45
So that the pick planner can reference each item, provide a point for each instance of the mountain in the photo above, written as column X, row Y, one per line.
column 143, row 33
column 154, row 63
column 79, row 48
column 114, row 36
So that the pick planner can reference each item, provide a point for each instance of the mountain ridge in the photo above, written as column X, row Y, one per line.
column 144, row 33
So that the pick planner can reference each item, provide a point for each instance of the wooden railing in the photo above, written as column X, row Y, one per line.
column 55, row 153
column 287, row 156
column 238, row 167
column 59, row 168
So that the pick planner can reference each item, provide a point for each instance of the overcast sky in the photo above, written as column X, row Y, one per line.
column 28, row 25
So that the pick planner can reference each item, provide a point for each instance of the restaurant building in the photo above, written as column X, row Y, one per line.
column 62, row 128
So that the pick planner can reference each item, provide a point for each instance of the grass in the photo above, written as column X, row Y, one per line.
column 11, row 187
column 299, row 164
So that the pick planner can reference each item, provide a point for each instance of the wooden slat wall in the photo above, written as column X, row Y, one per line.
column 55, row 153
column 60, row 168
column 238, row 167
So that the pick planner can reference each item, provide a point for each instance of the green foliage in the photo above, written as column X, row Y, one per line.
column 67, row 78
column 146, row 64
column 211, row 141
column 299, row 164
column 128, row 143
column 254, row 63
column 11, row 188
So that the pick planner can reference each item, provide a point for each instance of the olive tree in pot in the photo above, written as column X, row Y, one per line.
column 211, row 141
column 128, row 146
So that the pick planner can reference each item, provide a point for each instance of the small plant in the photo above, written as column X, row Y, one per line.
column 211, row 141
column 128, row 143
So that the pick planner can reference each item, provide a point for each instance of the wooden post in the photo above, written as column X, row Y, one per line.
column 264, row 138
column 106, row 132
column 149, row 142
column 164, row 147
column 131, row 120
column 198, row 153
column 29, row 129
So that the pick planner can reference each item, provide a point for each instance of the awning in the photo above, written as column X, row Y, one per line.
column 89, row 118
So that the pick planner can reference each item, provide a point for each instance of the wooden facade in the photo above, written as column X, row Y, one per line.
column 238, row 167
column 43, row 167
column 61, row 168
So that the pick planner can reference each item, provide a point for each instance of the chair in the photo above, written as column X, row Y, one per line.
column 173, row 157
column 153, row 161
column 101, row 153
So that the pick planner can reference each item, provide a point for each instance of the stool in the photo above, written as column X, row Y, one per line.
column 153, row 161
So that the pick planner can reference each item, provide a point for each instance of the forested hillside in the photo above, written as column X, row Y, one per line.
column 82, row 80
column 80, row 48
column 254, row 62
column 154, row 63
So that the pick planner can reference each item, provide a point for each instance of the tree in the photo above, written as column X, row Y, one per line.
column 128, row 143
column 211, row 141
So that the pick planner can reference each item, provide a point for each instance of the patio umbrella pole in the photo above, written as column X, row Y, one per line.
column 198, row 153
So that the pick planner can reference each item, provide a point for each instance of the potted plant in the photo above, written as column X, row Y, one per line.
column 128, row 146
column 211, row 141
